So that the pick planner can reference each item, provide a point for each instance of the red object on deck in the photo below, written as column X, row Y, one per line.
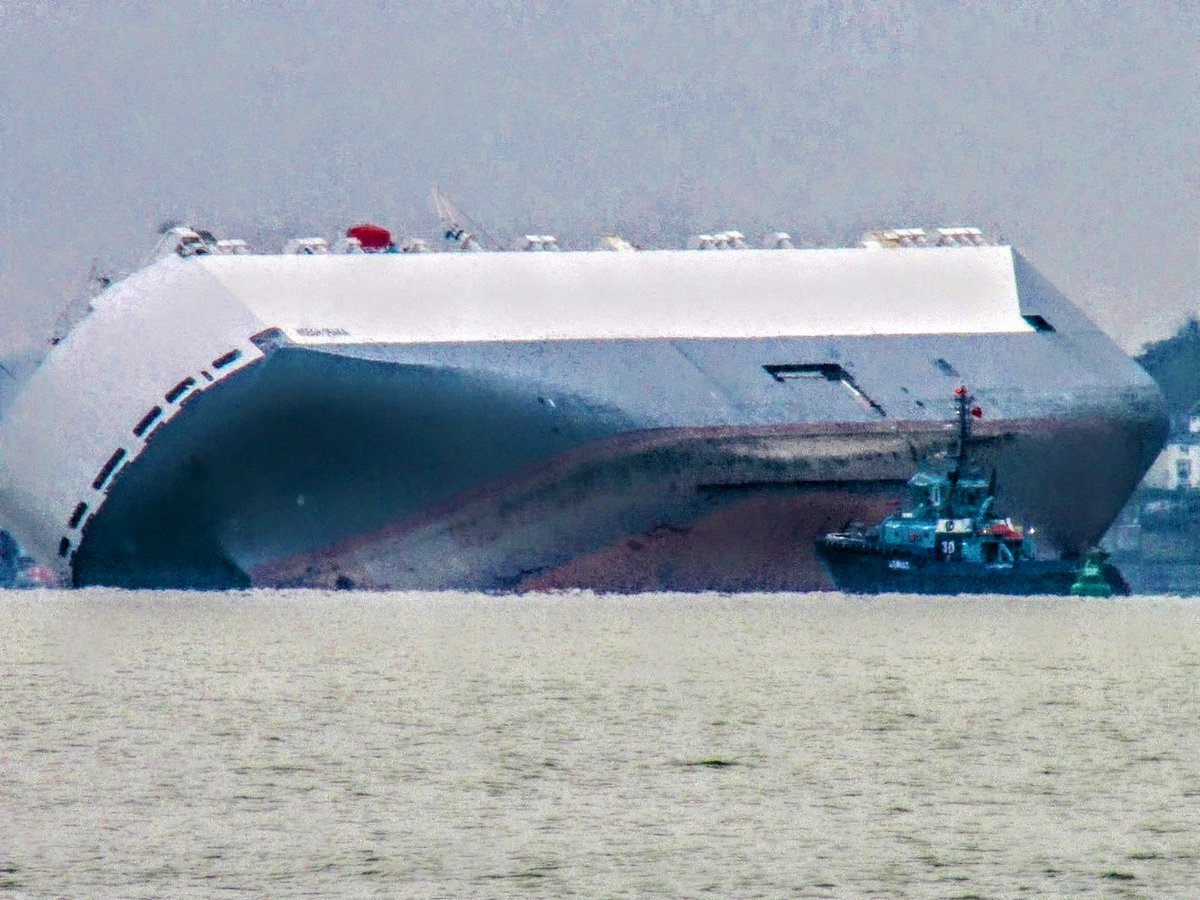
column 372, row 237
column 1004, row 531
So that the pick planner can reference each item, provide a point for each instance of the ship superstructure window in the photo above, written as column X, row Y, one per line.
column 789, row 372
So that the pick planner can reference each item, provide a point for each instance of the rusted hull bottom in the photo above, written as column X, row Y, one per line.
column 764, row 544
column 648, row 512
column 696, row 512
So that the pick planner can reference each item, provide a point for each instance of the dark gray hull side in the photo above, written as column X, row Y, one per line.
column 610, row 464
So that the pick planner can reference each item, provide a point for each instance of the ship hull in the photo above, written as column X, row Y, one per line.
column 240, row 445
column 321, row 470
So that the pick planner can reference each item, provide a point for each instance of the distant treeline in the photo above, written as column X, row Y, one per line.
column 1174, row 363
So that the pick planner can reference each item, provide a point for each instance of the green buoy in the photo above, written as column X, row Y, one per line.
column 1090, row 582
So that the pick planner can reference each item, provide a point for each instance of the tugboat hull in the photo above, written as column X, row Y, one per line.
column 859, row 570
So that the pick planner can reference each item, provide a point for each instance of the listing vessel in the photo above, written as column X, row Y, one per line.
column 506, row 421
column 951, row 540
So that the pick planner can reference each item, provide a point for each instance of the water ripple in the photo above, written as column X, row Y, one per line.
column 309, row 744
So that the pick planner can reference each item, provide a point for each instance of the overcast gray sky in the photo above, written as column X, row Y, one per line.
column 1073, row 129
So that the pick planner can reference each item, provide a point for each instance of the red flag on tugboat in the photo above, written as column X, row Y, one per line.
column 977, row 412
column 371, row 237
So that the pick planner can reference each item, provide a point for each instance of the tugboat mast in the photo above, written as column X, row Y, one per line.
column 966, row 411
column 962, row 399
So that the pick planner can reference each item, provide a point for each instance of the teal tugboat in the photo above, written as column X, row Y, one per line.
column 951, row 541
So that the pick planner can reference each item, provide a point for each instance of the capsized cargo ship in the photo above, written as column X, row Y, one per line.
column 687, row 420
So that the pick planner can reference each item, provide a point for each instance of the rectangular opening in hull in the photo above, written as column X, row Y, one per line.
column 798, row 372
column 180, row 389
column 1039, row 323
column 147, row 420
column 108, row 468
column 227, row 359
column 795, row 371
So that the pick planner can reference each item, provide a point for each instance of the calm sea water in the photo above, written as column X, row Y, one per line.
column 450, row 745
